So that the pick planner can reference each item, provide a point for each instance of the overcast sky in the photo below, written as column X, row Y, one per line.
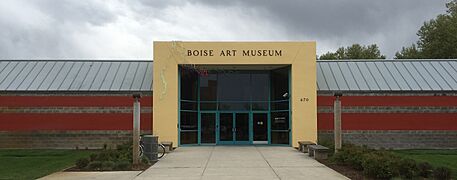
column 127, row 28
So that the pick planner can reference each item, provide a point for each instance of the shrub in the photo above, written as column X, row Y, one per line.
column 82, row 163
column 125, row 147
column 103, row 156
column 351, row 155
column 328, row 143
column 380, row 165
column 110, row 159
column 107, row 166
column 93, row 157
column 122, row 165
column 144, row 160
column 442, row 173
column 407, row 168
column 107, row 155
column 95, row 165
column 425, row 169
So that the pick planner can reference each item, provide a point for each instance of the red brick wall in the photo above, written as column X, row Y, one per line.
column 25, row 113
column 69, row 121
column 390, row 112
column 398, row 122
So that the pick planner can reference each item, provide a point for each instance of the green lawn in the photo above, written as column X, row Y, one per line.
column 437, row 158
column 32, row 164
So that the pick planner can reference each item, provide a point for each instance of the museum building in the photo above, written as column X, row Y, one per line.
column 228, row 93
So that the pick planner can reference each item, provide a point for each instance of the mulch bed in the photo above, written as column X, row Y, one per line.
column 138, row 168
column 345, row 170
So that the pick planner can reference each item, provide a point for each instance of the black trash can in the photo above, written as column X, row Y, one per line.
column 151, row 145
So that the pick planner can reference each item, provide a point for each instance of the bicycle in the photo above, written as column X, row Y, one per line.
column 161, row 147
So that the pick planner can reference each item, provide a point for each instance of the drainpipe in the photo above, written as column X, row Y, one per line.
column 337, row 121
column 136, row 128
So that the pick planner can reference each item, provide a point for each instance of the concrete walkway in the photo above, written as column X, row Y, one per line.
column 238, row 162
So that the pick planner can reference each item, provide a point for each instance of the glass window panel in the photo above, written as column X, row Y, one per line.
column 281, row 105
column 208, row 87
column 280, row 84
column 189, row 137
column 260, row 85
column 189, row 83
column 189, row 121
column 234, row 106
column 279, row 137
column 260, row 106
column 188, row 105
column 280, row 120
column 208, row 106
column 234, row 86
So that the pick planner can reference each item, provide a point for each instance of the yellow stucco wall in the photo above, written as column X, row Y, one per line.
column 300, row 55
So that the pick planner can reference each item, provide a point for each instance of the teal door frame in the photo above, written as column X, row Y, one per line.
column 216, row 118
column 234, row 141
column 251, row 128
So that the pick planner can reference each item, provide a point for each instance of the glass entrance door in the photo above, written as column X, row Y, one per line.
column 226, row 128
column 241, row 128
column 208, row 128
column 260, row 128
column 233, row 128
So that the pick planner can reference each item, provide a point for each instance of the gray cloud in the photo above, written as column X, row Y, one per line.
column 126, row 29
column 390, row 23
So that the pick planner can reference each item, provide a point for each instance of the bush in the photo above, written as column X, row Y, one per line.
column 424, row 169
column 407, row 168
column 104, row 156
column 95, row 165
column 110, row 159
column 122, row 165
column 107, row 166
column 125, row 147
column 82, row 163
column 351, row 155
column 93, row 157
column 380, row 165
column 144, row 160
column 329, row 144
column 442, row 173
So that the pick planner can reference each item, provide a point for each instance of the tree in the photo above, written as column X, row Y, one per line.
column 437, row 37
column 409, row 53
column 356, row 51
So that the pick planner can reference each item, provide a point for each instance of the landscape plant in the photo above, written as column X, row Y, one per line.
column 383, row 164
column 110, row 159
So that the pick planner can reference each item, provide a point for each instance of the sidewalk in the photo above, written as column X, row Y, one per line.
column 222, row 162
column 238, row 162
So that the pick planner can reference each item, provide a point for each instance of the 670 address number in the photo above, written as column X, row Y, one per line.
column 304, row 99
